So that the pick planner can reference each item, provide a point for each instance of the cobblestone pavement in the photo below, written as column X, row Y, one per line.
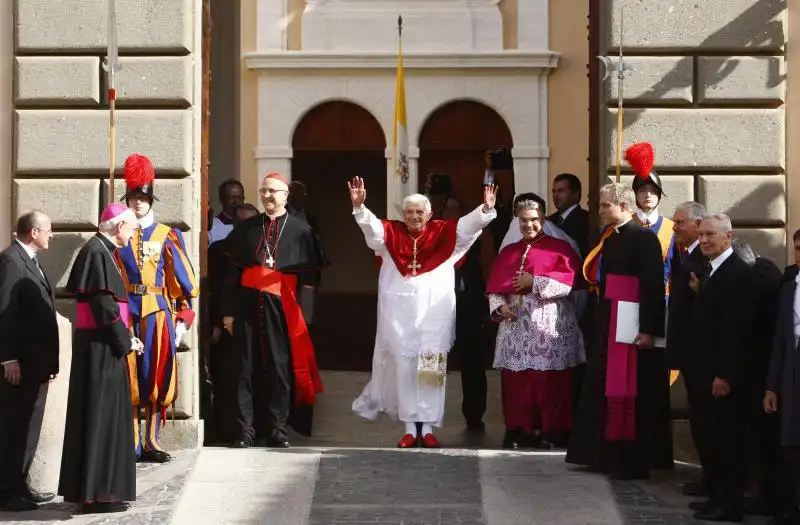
column 313, row 486
column 158, row 491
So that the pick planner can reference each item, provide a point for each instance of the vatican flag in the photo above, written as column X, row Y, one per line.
column 400, row 122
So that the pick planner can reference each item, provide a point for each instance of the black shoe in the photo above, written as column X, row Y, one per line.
column 717, row 514
column 277, row 442
column 245, row 442
column 17, row 504
column 701, row 506
column 514, row 439
column 694, row 489
column 38, row 497
column 104, row 508
column 155, row 456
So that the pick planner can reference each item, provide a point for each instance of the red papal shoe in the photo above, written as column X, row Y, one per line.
column 408, row 441
column 430, row 441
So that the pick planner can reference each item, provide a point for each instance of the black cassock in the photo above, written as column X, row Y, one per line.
column 266, row 387
column 99, row 460
column 630, row 251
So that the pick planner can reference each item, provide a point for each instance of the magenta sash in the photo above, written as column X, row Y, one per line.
column 621, row 387
column 84, row 320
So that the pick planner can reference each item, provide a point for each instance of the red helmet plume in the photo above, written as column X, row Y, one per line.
column 641, row 158
column 139, row 171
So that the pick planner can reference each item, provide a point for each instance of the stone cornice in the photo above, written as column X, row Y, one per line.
column 544, row 60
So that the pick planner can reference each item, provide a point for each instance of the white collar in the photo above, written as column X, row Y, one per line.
column 650, row 218
column 797, row 279
column 618, row 226
column 147, row 220
column 721, row 258
column 30, row 251
column 692, row 246
column 565, row 213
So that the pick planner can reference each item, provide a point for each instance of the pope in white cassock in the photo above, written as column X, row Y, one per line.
column 416, row 309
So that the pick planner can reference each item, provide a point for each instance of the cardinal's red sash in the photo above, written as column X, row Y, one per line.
column 308, row 382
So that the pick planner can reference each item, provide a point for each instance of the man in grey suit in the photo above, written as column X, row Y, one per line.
column 28, row 356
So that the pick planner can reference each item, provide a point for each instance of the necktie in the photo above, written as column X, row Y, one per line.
column 706, row 273
column 647, row 224
column 36, row 262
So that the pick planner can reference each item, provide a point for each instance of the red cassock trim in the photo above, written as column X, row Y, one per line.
column 308, row 382
column 434, row 246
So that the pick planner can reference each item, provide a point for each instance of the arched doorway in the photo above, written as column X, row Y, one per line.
column 454, row 140
column 332, row 143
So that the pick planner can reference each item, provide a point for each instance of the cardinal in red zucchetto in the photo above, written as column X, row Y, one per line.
column 416, row 309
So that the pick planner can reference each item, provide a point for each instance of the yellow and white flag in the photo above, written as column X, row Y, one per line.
column 400, row 121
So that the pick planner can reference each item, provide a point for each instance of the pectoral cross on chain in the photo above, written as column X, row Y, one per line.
column 270, row 261
column 414, row 266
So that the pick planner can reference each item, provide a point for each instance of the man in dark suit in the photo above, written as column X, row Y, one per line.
column 782, row 390
column 719, row 332
column 688, row 259
column 569, row 216
column 29, row 357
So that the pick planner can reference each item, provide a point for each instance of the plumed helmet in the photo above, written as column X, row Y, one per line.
column 139, row 177
column 641, row 158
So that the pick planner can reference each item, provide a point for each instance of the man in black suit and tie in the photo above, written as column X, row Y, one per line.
column 569, row 216
column 29, row 357
column 720, row 327
column 689, row 259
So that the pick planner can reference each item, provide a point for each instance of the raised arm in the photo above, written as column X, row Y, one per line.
column 366, row 220
column 470, row 225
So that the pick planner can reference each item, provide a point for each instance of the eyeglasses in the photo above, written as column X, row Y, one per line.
column 46, row 232
column 268, row 191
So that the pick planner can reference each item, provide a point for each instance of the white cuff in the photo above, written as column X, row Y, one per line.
column 8, row 362
column 359, row 209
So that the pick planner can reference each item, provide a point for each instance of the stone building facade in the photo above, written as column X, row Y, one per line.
column 60, row 129
column 709, row 90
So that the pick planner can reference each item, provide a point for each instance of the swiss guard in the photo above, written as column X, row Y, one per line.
column 161, row 285
column 647, row 186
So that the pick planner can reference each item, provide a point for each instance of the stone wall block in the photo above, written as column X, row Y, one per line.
column 68, row 203
column 57, row 80
column 57, row 261
column 155, row 80
column 678, row 189
column 181, row 434
column 704, row 138
column 68, row 140
column 175, row 200
column 725, row 25
column 766, row 242
column 654, row 80
column 143, row 25
column 755, row 200
column 741, row 79
column 185, row 404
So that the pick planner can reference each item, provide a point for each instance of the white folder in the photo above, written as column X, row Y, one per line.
column 628, row 324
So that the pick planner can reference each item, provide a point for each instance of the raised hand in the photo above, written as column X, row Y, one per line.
column 489, row 196
column 358, row 193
